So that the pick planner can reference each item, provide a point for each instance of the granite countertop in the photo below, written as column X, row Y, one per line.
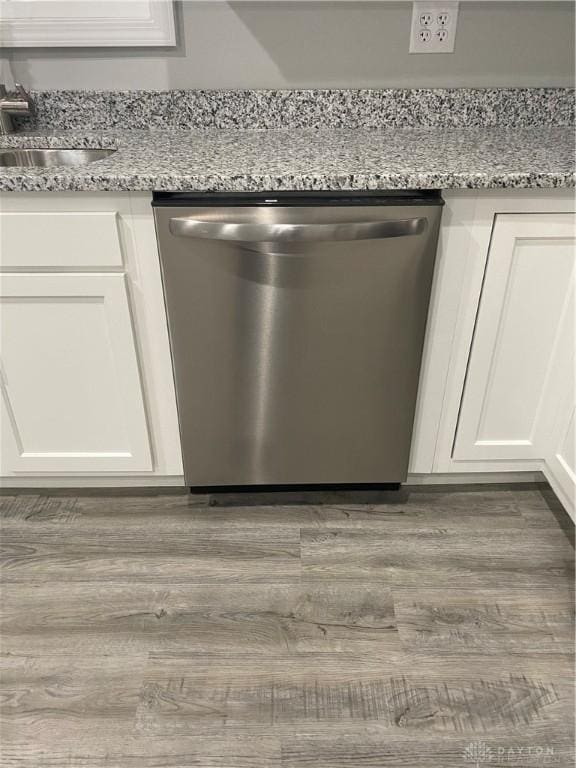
column 304, row 159
column 263, row 140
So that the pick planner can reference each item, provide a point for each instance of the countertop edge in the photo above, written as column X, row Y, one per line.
column 248, row 183
column 332, row 160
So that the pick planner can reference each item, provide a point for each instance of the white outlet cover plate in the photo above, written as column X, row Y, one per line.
column 433, row 8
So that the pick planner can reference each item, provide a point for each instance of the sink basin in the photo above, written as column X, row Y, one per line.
column 44, row 158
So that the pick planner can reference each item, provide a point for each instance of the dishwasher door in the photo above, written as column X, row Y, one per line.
column 297, row 334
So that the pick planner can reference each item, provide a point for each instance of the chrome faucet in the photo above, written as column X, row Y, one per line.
column 12, row 104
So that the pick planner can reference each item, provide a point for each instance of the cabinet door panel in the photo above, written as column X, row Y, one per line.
column 526, row 289
column 61, row 240
column 71, row 392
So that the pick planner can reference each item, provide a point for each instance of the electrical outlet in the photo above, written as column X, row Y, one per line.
column 433, row 26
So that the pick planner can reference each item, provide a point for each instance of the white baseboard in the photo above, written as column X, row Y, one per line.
column 95, row 481
column 156, row 481
column 473, row 478
column 567, row 501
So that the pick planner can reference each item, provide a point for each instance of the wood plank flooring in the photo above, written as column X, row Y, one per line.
column 429, row 628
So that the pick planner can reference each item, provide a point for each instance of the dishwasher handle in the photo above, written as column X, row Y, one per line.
column 255, row 232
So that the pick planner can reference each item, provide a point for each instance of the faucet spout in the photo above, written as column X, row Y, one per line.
column 13, row 104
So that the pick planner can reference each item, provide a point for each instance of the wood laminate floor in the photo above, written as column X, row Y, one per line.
column 431, row 628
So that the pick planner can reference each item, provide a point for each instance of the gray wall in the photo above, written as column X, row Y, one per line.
column 318, row 44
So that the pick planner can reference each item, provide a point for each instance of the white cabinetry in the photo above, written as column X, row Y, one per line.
column 515, row 353
column 87, row 391
column 497, row 385
column 71, row 389
column 37, row 23
column 86, row 378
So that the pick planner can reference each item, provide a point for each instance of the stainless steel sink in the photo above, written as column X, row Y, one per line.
column 44, row 158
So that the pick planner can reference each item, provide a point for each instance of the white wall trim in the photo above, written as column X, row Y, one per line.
column 87, row 481
column 567, row 500
column 155, row 481
column 58, row 23
column 473, row 478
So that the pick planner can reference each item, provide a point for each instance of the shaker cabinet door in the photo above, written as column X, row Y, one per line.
column 505, row 410
column 72, row 399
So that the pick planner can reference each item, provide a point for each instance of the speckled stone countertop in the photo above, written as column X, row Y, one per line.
column 302, row 140
column 299, row 159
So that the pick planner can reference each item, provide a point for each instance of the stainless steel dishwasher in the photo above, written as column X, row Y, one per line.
column 296, row 325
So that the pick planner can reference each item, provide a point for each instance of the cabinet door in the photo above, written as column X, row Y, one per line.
column 529, row 275
column 71, row 393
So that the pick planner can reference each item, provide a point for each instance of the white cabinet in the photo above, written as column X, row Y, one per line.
column 38, row 23
column 60, row 240
column 85, row 370
column 528, row 287
column 86, row 377
column 497, row 390
column 71, row 392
